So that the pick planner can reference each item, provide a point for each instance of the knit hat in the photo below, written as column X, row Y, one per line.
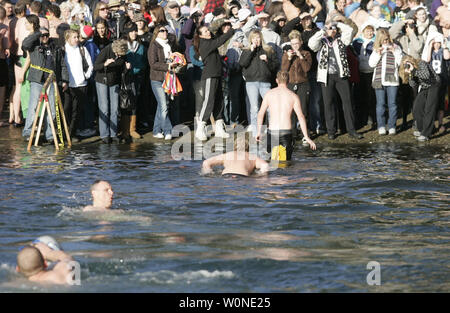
column 129, row 27
column 243, row 14
column 138, row 17
column 86, row 31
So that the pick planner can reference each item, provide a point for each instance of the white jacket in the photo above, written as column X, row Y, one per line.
column 77, row 78
column 315, row 43
column 375, row 57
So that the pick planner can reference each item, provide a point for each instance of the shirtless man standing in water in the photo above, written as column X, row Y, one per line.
column 102, row 196
column 238, row 162
column 281, row 102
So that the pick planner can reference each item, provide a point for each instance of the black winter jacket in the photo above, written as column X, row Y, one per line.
column 210, row 55
column 256, row 70
column 110, row 75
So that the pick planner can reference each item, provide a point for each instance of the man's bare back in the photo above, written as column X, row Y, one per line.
column 236, row 162
column 280, row 102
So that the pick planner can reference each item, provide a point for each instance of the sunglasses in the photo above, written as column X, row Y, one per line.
column 103, row 9
column 163, row 30
column 45, row 35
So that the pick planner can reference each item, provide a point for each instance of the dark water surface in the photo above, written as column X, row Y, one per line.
column 309, row 227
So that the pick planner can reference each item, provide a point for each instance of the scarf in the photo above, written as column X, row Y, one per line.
column 133, row 46
column 389, row 73
column 166, row 46
column 323, row 62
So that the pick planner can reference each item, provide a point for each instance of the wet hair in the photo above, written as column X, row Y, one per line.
column 96, row 183
column 241, row 142
column 283, row 77
column 33, row 20
column 30, row 261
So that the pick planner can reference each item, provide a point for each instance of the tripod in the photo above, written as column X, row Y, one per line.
column 43, row 99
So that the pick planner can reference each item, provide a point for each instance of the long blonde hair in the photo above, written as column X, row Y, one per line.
column 381, row 35
column 257, row 32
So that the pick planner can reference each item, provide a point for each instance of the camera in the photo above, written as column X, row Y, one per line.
column 134, row 6
column 411, row 25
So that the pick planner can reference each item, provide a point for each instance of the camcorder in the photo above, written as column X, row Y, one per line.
column 135, row 7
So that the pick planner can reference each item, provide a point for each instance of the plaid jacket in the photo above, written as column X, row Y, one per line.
column 212, row 4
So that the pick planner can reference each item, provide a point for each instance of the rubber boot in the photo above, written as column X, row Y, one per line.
column 125, row 127
column 132, row 128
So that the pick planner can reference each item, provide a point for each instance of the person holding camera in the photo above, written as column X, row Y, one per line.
column 43, row 55
column 108, row 68
column 259, row 63
column 421, row 75
column 333, row 73
column 297, row 62
column 385, row 59
column 437, row 54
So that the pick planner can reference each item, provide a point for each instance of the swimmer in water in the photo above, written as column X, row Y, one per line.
column 238, row 162
column 102, row 196
column 32, row 262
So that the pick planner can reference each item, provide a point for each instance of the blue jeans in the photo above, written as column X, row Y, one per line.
column 108, row 106
column 35, row 92
column 162, row 122
column 391, row 92
column 254, row 91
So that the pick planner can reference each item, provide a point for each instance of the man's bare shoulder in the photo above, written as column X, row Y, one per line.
column 277, row 91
